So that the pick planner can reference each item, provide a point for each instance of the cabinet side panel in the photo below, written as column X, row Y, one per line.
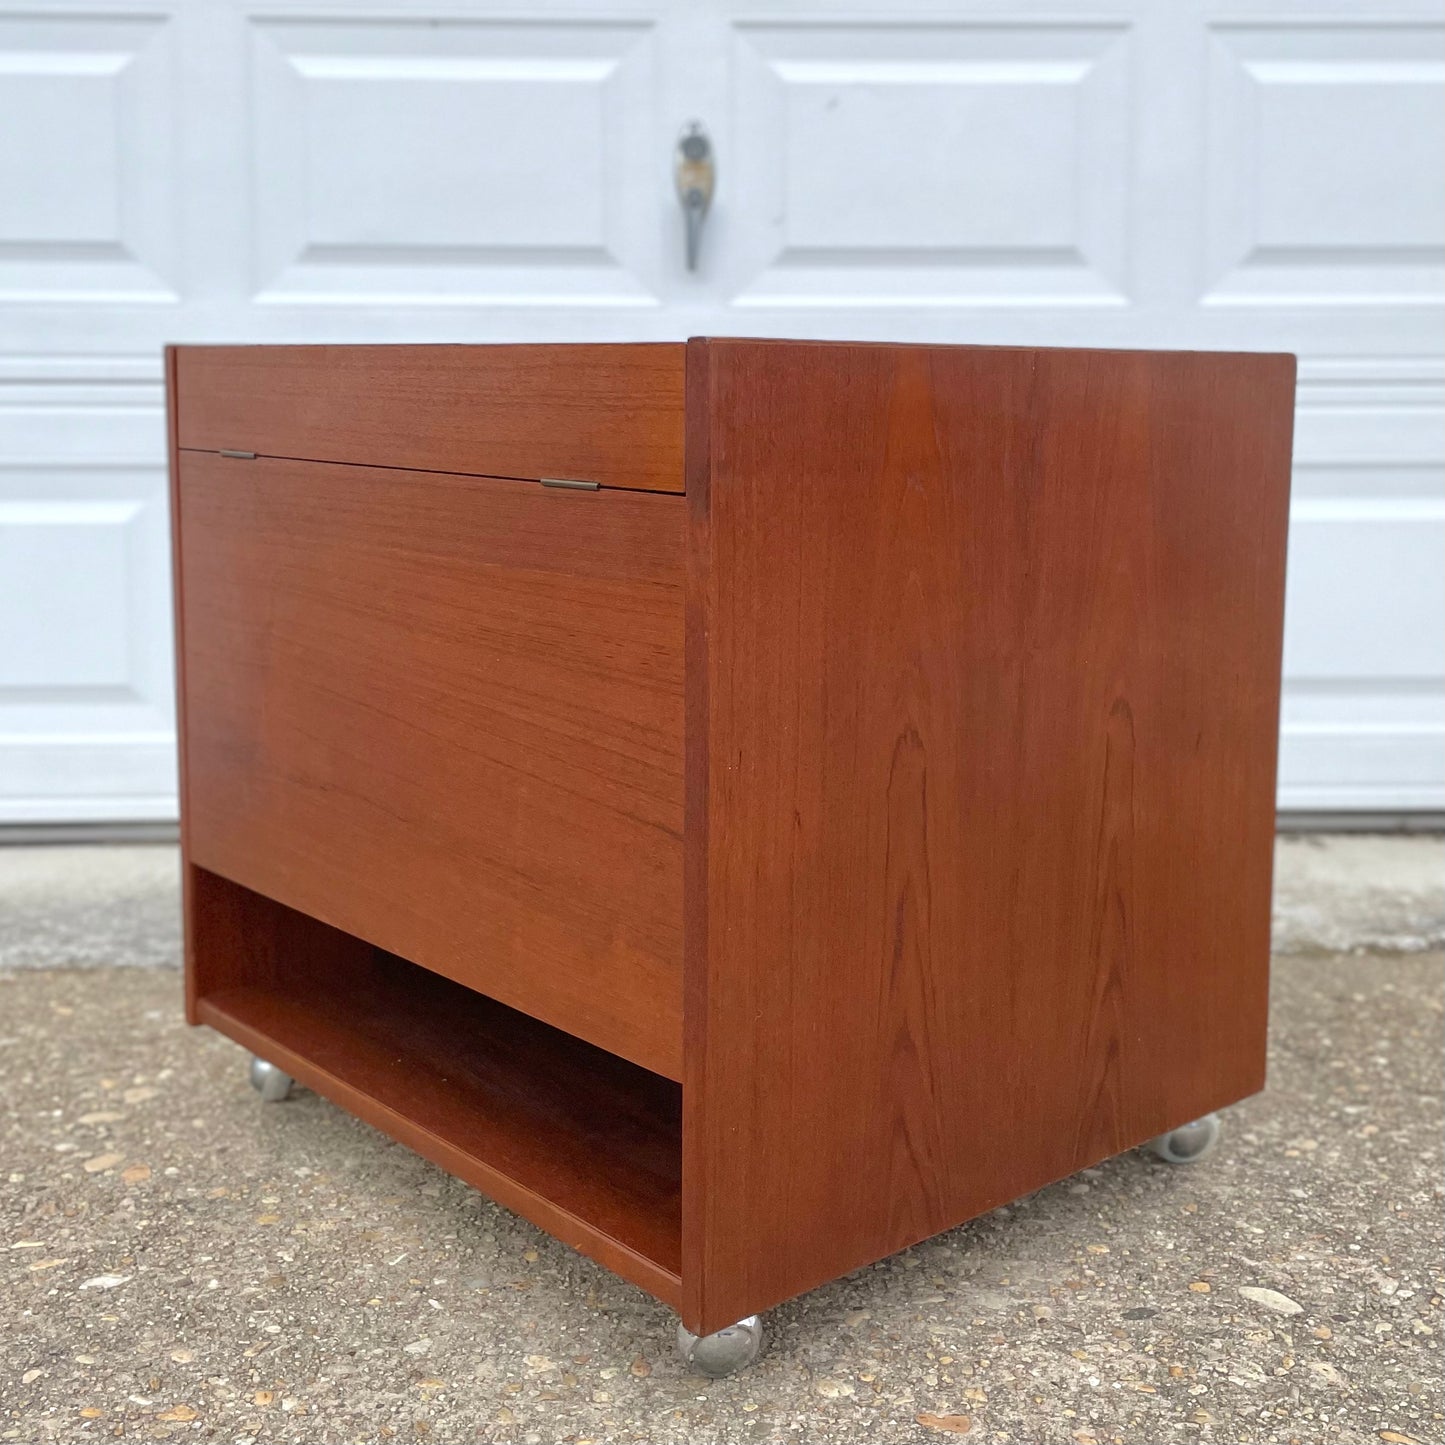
column 987, row 677
column 701, row 578
column 173, row 458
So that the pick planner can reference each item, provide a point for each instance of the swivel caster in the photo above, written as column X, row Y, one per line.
column 269, row 1081
column 724, row 1353
column 1189, row 1142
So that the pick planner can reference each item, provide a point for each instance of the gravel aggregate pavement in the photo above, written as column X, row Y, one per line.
column 180, row 1261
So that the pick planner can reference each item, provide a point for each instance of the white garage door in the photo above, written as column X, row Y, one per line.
column 1262, row 174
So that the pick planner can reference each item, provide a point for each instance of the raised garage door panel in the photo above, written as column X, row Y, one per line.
column 1256, row 177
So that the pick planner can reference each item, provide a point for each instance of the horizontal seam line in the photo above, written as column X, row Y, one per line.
column 421, row 471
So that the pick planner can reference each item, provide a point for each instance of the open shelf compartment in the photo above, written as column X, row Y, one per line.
column 584, row 1144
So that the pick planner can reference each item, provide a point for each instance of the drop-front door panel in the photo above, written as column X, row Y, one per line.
column 444, row 713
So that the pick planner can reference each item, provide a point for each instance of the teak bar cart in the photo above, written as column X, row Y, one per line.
column 746, row 806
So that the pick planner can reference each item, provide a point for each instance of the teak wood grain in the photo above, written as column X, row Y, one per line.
column 573, row 1138
column 178, row 618
column 605, row 413
column 905, row 790
column 983, row 666
column 444, row 714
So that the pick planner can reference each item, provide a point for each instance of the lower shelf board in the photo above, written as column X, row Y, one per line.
column 582, row 1143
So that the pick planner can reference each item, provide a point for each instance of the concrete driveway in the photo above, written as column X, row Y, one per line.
column 180, row 1261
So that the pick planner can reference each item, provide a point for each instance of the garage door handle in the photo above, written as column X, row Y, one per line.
column 695, row 175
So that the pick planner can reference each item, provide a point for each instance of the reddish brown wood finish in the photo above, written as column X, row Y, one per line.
column 238, row 939
column 581, row 1143
column 608, row 414
column 173, row 458
column 983, row 674
column 966, row 885
column 444, row 714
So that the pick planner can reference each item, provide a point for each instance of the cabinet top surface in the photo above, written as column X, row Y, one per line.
column 610, row 414
column 659, row 350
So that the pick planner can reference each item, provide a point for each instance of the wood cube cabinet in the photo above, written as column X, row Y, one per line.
column 746, row 806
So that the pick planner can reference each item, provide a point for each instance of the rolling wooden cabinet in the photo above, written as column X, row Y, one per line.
column 747, row 806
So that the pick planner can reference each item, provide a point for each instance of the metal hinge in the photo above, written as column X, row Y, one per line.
column 238, row 456
column 570, row 484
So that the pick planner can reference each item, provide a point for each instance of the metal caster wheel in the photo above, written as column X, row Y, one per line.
column 269, row 1081
column 724, row 1353
column 1189, row 1142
